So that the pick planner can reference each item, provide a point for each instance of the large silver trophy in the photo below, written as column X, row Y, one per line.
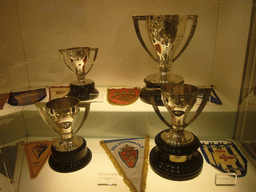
column 69, row 152
column 79, row 61
column 176, row 156
column 170, row 35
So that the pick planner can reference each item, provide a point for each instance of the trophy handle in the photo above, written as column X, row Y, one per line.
column 137, row 29
column 42, row 111
column 205, row 99
column 94, row 58
column 62, row 52
column 85, row 105
column 151, row 92
column 193, row 28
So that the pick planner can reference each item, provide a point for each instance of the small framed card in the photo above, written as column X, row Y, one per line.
column 225, row 179
column 107, row 179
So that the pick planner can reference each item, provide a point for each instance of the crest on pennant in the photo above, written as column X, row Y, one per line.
column 129, row 156
column 222, row 156
column 39, row 149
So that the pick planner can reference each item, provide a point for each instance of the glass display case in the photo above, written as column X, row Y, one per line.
column 221, row 53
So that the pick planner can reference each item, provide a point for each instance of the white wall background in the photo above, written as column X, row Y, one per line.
column 32, row 31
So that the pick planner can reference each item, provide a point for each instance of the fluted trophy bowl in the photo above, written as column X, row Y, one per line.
column 80, row 61
column 69, row 151
column 167, row 34
column 176, row 156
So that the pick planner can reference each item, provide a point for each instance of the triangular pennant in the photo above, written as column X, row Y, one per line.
column 225, row 156
column 130, row 158
column 8, row 158
column 37, row 154
column 122, row 96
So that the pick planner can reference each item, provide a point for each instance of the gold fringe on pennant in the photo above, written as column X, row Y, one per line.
column 122, row 173
column 144, row 173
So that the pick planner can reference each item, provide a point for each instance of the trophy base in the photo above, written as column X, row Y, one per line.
column 165, row 168
column 70, row 161
column 176, row 162
column 83, row 92
column 145, row 95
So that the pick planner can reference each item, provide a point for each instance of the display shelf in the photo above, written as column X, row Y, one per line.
column 138, row 119
column 102, row 105
column 86, row 179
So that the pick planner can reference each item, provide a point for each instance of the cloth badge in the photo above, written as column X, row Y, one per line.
column 37, row 154
column 58, row 92
column 122, row 96
column 130, row 158
column 225, row 156
column 27, row 97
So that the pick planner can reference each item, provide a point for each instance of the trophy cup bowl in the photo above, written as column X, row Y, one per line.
column 79, row 61
column 166, row 33
column 69, row 152
column 175, row 155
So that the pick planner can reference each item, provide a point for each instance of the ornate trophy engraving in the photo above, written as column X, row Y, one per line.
column 166, row 33
column 78, row 60
column 176, row 156
column 69, row 152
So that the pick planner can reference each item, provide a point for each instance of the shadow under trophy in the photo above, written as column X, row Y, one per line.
column 166, row 33
column 175, row 155
column 80, row 62
column 69, row 152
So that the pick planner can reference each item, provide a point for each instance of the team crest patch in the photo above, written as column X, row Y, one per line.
column 129, row 155
column 225, row 156
column 123, row 96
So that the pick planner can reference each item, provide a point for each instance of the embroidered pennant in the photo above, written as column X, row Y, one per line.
column 122, row 96
column 225, row 156
column 58, row 92
column 130, row 158
column 37, row 154
column 26, row 97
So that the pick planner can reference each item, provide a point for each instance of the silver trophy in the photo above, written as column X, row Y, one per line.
column 167, row 34
column 69, row 152
column 80, row 61
column 176, row 156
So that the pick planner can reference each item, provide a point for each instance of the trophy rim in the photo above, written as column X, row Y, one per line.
column 143, row 16
column 52, row 105
column 194, row 90
column 75, row 48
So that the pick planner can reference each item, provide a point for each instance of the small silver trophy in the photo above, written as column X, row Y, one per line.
column 176, row 156
column 166, row 33
column 69, row 152
column 79, row 61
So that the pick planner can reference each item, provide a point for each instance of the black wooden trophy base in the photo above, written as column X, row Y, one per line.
column 71, row 161
column 178, row 171
column 83, row 92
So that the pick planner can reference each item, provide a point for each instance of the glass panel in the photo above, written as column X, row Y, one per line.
column 246, row 121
